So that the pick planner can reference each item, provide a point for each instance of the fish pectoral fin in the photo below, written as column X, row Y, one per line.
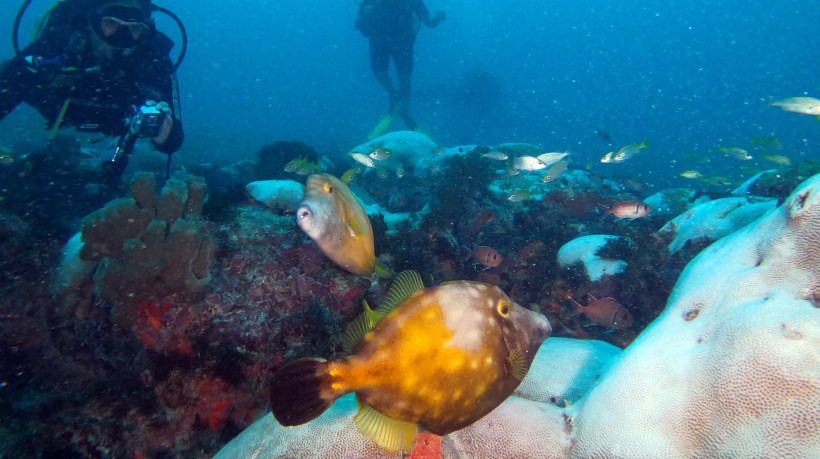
column 404, row 284
column 517, row 364
column 356, row 227
column 358, row 328
column 388, row 433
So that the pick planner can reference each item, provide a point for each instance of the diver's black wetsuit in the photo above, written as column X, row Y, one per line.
column 101, row 91
column 394, row 35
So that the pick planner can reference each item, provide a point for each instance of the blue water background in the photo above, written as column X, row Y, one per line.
column 688, row 75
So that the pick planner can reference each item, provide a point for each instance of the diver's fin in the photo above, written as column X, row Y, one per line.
column 382, row 271
column 404, row 284
column 355, row 330
column 300, row 391
column 517, row 365
column 390, row 434
column 381, row 127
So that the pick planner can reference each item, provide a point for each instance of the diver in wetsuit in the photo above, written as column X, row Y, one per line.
column 98, row 65
column 391, row 27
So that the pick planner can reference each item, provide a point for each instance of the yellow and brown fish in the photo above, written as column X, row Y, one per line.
column 442, row 357
column 337, row 223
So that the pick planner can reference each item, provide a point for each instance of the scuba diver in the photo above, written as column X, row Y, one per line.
column 99, row 66
column 391, row 26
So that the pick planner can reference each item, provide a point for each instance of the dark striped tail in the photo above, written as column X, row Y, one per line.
column 296, row 391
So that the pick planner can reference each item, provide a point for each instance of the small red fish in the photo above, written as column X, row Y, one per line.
column 481, row 219
column 605, row 312
column 629, row 209
column 485, row 255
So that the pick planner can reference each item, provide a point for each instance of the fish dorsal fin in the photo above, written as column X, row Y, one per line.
column 355, row 331
column 388, row 433
column 404, row 284
column 518, row 364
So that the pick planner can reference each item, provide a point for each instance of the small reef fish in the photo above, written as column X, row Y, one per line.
column 350, row 175
column 715, row 180
column 495, row 155
column 629, row 151
column 803, row 105
column 691, row 174
column 766, row 141
column 605, row 312
column 607, row 158
column 481, row 219
column 302, row 166
column 381, row 154
column 400, row 171
column 519, row 195
column 780, row 160
column 332, row 216
column 551, row 158
column 363, row 159
column 441, row 357
column 528, row 163
column 554, row 171
column 629, row 209
column 484, row 255
column 603, row 134
column 6, row 159
column 735, row 152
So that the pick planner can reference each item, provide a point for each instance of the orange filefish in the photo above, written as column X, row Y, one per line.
column 441, row 357
column 629, row 209
column 332, row 216
column 605, row 312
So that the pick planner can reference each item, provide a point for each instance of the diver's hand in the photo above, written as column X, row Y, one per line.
column 167, row 123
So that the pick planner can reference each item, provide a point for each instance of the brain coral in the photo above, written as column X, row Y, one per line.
column 732, row 366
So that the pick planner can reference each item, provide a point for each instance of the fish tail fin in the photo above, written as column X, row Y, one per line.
column 301, row 391
column 645, row 143
column 390, row 434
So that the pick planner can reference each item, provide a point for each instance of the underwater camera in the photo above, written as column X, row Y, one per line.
column 146, row 121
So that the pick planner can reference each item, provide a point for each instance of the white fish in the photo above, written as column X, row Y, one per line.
column 804, row 105
column 528, row 163
column 551, row 158
column 496, row 155
column 363, row 159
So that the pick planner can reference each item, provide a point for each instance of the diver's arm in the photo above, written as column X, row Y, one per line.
column 13, row 83
column 424, row 14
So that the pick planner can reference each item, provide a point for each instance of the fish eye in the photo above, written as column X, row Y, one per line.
column 503, row 308
column 329, row 188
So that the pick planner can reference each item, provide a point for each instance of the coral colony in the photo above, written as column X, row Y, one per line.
column 686, row 327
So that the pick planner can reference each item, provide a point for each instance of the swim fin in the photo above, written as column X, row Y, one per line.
column 382, row 127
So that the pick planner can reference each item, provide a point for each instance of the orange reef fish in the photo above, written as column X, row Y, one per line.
column 605, row 312
column 442, row 357
column 337, row 223
column 485, row 255
column 629, row 209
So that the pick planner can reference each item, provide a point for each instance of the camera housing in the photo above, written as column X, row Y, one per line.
column 146, row 121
